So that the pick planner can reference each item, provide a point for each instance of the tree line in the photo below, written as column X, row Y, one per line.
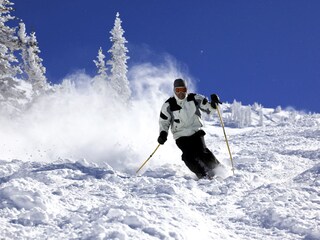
column 23, row 75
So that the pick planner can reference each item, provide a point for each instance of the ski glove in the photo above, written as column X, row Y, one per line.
column 215, row 100
column 162, row 137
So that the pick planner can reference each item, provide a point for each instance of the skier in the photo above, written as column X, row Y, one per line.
column 181, row 112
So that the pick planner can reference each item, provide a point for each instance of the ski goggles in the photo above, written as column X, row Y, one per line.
column 180, row 89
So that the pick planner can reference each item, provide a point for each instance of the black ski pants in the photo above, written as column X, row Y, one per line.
column 198, row 158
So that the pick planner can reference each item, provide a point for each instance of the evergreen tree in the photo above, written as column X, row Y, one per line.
column 101, row 65
column 32, row 62
column 10, row 90
column 8, row 42
column 37, row 70
column 261, row 123
column 100, row 81
column 118, row 62
column 240, row 115
column 23, row 43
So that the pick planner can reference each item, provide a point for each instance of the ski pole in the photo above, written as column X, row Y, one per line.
column 148, row 158
column 225, row 136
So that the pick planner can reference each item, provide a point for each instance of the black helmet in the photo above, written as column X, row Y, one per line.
column 179, row 83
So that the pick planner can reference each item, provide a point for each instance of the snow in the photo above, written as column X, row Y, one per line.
column 68, row 172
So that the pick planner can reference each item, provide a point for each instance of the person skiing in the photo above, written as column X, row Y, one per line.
column 181, row 112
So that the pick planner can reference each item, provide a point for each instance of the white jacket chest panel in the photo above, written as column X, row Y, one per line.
column 185, row 117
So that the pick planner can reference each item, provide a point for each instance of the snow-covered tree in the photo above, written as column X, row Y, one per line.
column 23, row 41
column 32, row 63
column 37, row 70
column 118, row 62
column 240, row 115
column 256, row 106
column 100, row 81
column 8, row 42
column 67, row 86
column 261, row 122
column 101, row 65
column 10, row 89
column 278, row 109
column 7, row 36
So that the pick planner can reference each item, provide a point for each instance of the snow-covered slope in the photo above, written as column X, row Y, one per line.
column 274, row 194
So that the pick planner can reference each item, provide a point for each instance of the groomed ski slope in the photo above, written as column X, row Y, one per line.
column 274, row 194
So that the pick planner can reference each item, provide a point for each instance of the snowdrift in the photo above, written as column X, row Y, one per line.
column 274, row 193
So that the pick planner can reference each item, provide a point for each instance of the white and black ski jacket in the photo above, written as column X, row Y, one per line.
column 183, row 115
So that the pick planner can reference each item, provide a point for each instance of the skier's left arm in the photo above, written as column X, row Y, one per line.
column 205, row 105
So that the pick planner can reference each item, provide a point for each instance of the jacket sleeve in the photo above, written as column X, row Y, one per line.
column 204, row 104
column 165, row 117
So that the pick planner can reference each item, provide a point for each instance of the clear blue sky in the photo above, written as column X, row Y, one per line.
column 265, row 51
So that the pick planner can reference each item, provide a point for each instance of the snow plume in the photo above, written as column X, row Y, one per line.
column 79, row 122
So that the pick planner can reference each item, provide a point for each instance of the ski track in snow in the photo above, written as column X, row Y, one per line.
column 274, row 193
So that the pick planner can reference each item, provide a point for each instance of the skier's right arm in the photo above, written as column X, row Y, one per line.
column 164, row 123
